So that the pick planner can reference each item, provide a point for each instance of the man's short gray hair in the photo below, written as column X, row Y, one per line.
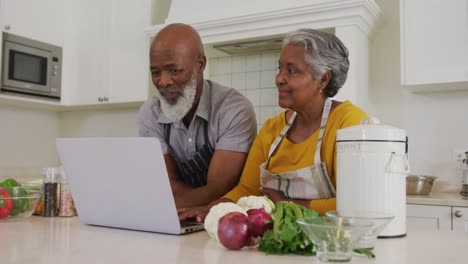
column 323, row 52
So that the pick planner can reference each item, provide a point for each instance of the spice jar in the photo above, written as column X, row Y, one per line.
column 67, row 207
column 51, row 192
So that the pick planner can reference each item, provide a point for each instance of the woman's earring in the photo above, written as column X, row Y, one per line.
column 321, row 90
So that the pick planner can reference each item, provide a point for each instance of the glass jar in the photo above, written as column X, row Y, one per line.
column 51, row 192
column 67, row 207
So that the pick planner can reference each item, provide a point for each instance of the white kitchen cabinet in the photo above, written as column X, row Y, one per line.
column 460, row 219
column 437, row 217
column 108, row 56
column 428, row 217
column 40, row 20
column 105, row 49
column 434, row 43
column 86, row 53
column 129, row 51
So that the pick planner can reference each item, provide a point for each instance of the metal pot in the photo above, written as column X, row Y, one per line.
column 419, row 184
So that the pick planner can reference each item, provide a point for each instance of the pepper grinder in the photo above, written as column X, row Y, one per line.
column 464, row 190
column 51, row 192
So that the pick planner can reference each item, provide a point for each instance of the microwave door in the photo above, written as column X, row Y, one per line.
column 25, row 69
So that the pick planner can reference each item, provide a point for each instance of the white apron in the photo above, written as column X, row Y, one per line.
column 307, row 183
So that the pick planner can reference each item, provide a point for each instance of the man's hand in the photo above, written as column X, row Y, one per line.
column 199, row 213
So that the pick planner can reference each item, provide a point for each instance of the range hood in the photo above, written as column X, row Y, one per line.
column 249, row 47
column 231, row 28
column 229, row 22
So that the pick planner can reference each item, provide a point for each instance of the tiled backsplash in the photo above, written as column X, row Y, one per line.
column 253, row 76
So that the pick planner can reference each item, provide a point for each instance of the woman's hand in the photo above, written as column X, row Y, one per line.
column 198, row 213
column 274, row 195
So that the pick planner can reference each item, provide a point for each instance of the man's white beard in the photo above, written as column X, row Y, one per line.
column 177, row 110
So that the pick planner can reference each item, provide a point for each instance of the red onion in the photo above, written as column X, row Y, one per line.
column 233, row 230
column 259, row 221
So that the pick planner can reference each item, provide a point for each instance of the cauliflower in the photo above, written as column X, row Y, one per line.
column 215, row 213
column 256, row 202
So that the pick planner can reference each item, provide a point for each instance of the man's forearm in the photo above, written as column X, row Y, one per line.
column 198, row 196
column 188, row 196
column 222, row 177
column 179, row 188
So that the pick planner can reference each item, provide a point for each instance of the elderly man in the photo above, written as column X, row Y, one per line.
column 205, row 129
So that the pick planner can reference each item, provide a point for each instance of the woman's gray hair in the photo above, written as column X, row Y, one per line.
column 324, row 52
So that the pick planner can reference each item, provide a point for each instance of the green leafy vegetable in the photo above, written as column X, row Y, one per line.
column 286, row 235
column 366, row 252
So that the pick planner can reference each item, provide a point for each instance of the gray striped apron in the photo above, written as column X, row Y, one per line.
column 308, row 183
column 193, row 172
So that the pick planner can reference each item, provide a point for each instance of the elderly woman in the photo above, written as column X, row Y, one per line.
column 293, row 156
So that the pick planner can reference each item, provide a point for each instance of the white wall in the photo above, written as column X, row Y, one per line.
column 27, row 141
column 27, row 137
column 103, row 123
column 436, row 123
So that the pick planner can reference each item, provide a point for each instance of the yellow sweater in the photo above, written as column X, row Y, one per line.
column 289, row 156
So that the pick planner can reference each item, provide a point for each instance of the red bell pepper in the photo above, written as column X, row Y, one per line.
column 6, row 204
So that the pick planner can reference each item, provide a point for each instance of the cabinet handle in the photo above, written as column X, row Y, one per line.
column 458, row 214
column 7, row 27
column 100, row 99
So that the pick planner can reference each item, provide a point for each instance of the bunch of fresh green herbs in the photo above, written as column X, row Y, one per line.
column 287, row 237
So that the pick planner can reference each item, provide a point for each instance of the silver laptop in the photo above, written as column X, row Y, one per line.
column 121, row 182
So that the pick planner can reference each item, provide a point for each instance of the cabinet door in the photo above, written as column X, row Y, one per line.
column 460, row 218
column 428, row 217
column 129, row 49
column 86, row 56
column 434, row 41
column 107, row 52
column 40, row 20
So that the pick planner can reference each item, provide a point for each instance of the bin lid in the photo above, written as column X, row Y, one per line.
column 372, row 132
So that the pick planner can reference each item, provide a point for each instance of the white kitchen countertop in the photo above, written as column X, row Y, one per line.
column 65, row 240
column 442, row 199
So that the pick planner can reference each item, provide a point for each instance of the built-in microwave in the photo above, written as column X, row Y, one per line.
column 30, row 67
